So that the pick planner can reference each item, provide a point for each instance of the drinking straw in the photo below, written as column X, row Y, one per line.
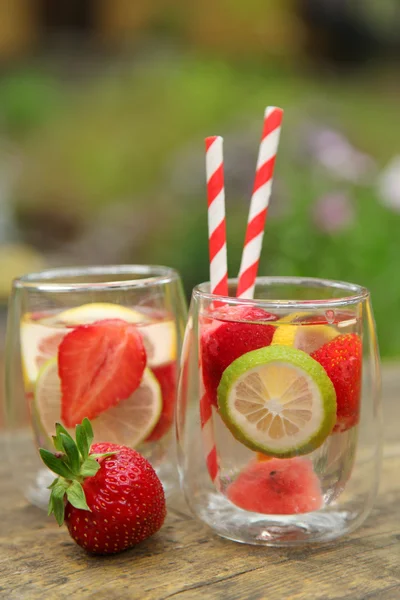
column 218, row 277
column 216, row 216
column 259, row 202
column 208, row 436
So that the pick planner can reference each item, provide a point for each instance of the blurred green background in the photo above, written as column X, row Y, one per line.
column 104, row 106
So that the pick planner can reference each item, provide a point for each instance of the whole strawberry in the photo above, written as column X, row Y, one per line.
column 109, row 495
column 342, row 360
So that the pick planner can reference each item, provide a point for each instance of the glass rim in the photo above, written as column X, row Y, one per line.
column 46, row 280
column 355, row 293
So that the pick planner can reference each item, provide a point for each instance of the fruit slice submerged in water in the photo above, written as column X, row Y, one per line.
column 263, row 457
column 159, row 339
column 303, row 337
column 92, row 312
column 128, row 423
column 38, row 345
column 42, row 333
column 224, row 341
column 277, row 487
column 159, row 336
column 278, row 401
column 342, row 361
column 166, row 377
column 99, row 365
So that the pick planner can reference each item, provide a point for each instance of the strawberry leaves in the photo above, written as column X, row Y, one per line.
column 55, row 463
column 73, row 464
column 76, row 495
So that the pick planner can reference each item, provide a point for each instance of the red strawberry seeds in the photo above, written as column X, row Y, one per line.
column 342, row 360
column 126, row 500
column 99, row 365
column 109, row 495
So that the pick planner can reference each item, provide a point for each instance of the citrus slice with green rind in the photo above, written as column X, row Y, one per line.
column 128, row 423
column 277, row 400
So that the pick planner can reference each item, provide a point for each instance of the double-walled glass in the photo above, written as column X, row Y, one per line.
column 72, row 348
column 295, row 371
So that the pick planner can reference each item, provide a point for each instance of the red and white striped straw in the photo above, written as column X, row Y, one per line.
column 208, row 436
column 218, row 278
column 259, row 202
column 216, row 216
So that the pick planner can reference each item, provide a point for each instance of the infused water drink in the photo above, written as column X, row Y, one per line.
column 282, row 388
column 278, row 419
column 115, row 364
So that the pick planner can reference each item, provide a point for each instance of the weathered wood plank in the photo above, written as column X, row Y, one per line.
column 185, row 561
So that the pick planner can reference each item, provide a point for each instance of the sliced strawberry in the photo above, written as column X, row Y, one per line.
column 279, row 486
column 223, row 341
column 99, row 365
column 166, row 375
column 342, row 360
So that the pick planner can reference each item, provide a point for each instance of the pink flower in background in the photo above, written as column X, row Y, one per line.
column 389, row 185
column 333, row 213
column 334, row 152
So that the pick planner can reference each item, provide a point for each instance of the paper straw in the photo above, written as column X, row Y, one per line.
column 216, row 216
column 259, row 202
column 218, row 278
column 208, row 435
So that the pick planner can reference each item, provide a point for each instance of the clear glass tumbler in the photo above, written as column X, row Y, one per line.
column 278, row 415
column 101, row 342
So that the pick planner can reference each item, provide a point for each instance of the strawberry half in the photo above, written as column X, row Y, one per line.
column 223, row 341
column 99, row 365
column 342, row 360
column 109, row 495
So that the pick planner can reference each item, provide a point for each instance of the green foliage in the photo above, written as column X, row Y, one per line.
column 27, row 100
column 118, row 137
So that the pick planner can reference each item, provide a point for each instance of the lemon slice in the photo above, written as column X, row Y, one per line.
column 278, row 401
column 128, row 423
column 159, row 339
column 95, row 311
column 39, row 343
column 303, row 337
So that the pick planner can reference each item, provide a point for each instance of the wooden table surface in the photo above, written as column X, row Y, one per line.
column 185, row 561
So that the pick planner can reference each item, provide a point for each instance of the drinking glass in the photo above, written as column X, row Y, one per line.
column 76, row 340
column 279, row 411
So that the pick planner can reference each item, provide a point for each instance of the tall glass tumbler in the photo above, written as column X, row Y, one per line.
column 278, row 415
column 101, row 342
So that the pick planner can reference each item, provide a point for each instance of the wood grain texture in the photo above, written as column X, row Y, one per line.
column 184, row 561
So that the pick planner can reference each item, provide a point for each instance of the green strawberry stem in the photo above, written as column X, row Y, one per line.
column 73, row 463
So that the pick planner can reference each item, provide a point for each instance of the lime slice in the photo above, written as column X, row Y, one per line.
column 159, row 339
column 96, row 311
column 128, row 423
column 278, row 401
